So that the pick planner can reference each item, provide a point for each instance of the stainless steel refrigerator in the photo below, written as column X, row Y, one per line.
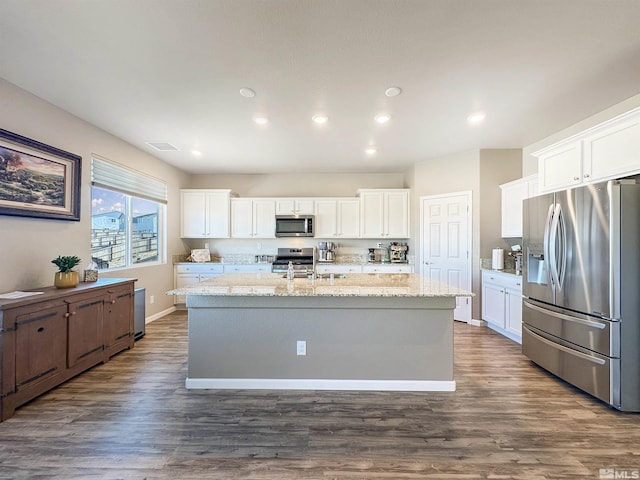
column 581, row 274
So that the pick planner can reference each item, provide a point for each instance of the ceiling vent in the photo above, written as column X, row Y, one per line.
column 163, row 146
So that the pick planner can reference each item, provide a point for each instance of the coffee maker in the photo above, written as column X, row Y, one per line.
column 327, row 252
column 398, row 252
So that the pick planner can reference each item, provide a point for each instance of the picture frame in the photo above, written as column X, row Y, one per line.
column 38, row 180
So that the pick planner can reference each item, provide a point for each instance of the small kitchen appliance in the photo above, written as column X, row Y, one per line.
column 398, row 252
column 326, row 252
column 371, row 257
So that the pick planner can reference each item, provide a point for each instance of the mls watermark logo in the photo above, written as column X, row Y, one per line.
column 606, row 473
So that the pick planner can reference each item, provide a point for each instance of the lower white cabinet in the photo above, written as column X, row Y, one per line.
column 247, row 268
column 502, row 303
column 190, row 274
column 323, row 269
column 387, row 268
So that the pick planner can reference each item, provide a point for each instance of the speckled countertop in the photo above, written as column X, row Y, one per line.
column 351, row 285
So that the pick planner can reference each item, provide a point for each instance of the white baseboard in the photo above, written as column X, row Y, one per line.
column 478, row 323
column 313, row 384
column 159, row 315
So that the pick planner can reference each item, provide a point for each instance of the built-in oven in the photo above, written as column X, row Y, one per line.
column 294, row 225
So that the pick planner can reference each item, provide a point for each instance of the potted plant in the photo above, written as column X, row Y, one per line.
column 65, row 276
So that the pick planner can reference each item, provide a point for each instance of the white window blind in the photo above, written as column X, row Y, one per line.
column 108, row 174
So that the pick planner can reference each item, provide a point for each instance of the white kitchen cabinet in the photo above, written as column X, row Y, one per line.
column 189, row 274
column 247, row 268
column 613, row 150
column 337, row 268
column 294, row 206
column 337, row 218
column 387, row 268
column 204, row 213
column 607, row 151
column 513, row 193
column 384, row 213
column 502, row 303
column 253, row 218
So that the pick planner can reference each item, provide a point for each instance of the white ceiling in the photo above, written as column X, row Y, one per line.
column 171, row 70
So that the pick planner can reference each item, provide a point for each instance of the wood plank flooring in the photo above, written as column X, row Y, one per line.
column 133, row 419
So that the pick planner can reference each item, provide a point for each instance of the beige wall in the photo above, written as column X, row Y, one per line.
column 27, row 245
column 496, row 167
column 478, row 171
column 299, row 184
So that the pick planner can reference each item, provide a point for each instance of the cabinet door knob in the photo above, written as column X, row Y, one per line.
column 72, row 313
column 576, row 178
column 112, row 302
column 41, row 329
column 586, row 175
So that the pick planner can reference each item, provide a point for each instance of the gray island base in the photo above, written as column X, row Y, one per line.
column 363, row 332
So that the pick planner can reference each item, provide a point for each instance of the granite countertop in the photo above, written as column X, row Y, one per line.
column 352, row 285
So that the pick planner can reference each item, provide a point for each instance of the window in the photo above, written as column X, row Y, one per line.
column 127, row 216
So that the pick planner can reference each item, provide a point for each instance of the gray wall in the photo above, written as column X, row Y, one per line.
column 27, row 245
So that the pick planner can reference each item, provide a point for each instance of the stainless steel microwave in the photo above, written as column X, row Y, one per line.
column 294, row 225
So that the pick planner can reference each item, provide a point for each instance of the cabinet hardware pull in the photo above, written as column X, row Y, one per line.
column 41, row 329
column 112, row 302
column 576, row 178
column 72, row 313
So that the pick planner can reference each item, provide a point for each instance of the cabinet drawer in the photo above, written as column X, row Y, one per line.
column 501, row 279
column 200, row 268
column 387, row 269
column 322, row 269
column 250, row 268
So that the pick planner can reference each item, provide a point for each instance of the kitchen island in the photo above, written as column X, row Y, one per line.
column 354, row 332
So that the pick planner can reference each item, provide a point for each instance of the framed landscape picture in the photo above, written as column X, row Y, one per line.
column 38, row 180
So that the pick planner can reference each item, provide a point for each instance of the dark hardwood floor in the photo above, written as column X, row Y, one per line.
column 133, row 419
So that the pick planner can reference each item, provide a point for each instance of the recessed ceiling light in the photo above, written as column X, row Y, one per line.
column 382, row 118
column 247, row 92
column 476, row 117
column 196, row 153
column 320, row 119
column 370, row 151
column 260, row 120
column 393, row 91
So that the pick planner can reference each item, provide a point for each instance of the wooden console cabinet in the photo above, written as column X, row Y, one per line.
column 48, row 338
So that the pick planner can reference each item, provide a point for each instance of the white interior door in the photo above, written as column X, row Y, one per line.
column 445, row 244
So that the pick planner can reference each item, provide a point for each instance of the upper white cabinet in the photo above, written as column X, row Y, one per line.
column 204, row 213
column 513, row 193
column 384, row 213
column 606, row 151
column 337, row 218
column 294, row 206
column 253, row 218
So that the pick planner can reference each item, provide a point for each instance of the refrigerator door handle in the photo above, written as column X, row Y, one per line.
column 568, row 350
column 553, row 246
column 545, row 241
column 561, row 261
column 588, row 323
